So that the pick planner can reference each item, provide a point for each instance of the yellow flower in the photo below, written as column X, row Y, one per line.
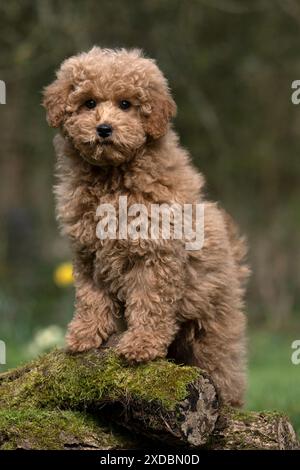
column 63, row 274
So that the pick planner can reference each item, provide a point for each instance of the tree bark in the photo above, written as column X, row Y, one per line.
column 176, row 405
column 248, row 430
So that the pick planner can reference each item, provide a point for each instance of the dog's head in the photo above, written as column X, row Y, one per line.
column 109, row 103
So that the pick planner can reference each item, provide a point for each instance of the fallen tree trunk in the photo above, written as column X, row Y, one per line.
column 58, row 430
column 248, row 430
column 174, row 404
column 159, row 399
column 67, row 430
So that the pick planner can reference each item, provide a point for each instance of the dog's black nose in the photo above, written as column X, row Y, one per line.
column 104, row 130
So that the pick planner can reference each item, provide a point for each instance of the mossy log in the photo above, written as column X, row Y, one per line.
column 66, row 430
column 58, row 430
column 248, row 430
column 56, row 402
column 176, row 404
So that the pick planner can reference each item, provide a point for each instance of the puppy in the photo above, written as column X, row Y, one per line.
column 113, row 109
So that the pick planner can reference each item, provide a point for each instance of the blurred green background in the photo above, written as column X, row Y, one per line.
column 230, row 65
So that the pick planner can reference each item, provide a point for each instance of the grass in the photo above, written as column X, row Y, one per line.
column 274, row 382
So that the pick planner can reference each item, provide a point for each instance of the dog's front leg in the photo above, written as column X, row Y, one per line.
column 94, row 319
column 153, row 290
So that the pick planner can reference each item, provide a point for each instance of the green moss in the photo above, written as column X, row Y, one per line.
column 248, row 417
column 41, row 429
column 239, row 415
column 77, row 381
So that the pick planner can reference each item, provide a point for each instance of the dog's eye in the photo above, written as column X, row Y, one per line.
column 124, row 104
column 90, row 104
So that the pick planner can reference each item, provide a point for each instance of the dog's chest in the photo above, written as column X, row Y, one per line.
column 91, row 213
column 116, row 252
column 100, row 226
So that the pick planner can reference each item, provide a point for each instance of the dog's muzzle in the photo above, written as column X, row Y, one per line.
column 104, row 130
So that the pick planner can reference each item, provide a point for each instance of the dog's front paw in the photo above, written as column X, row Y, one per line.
column 78, row 341
column 139, row 347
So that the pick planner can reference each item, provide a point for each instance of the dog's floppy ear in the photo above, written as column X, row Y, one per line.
column 158, row 112
column 54, row 100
